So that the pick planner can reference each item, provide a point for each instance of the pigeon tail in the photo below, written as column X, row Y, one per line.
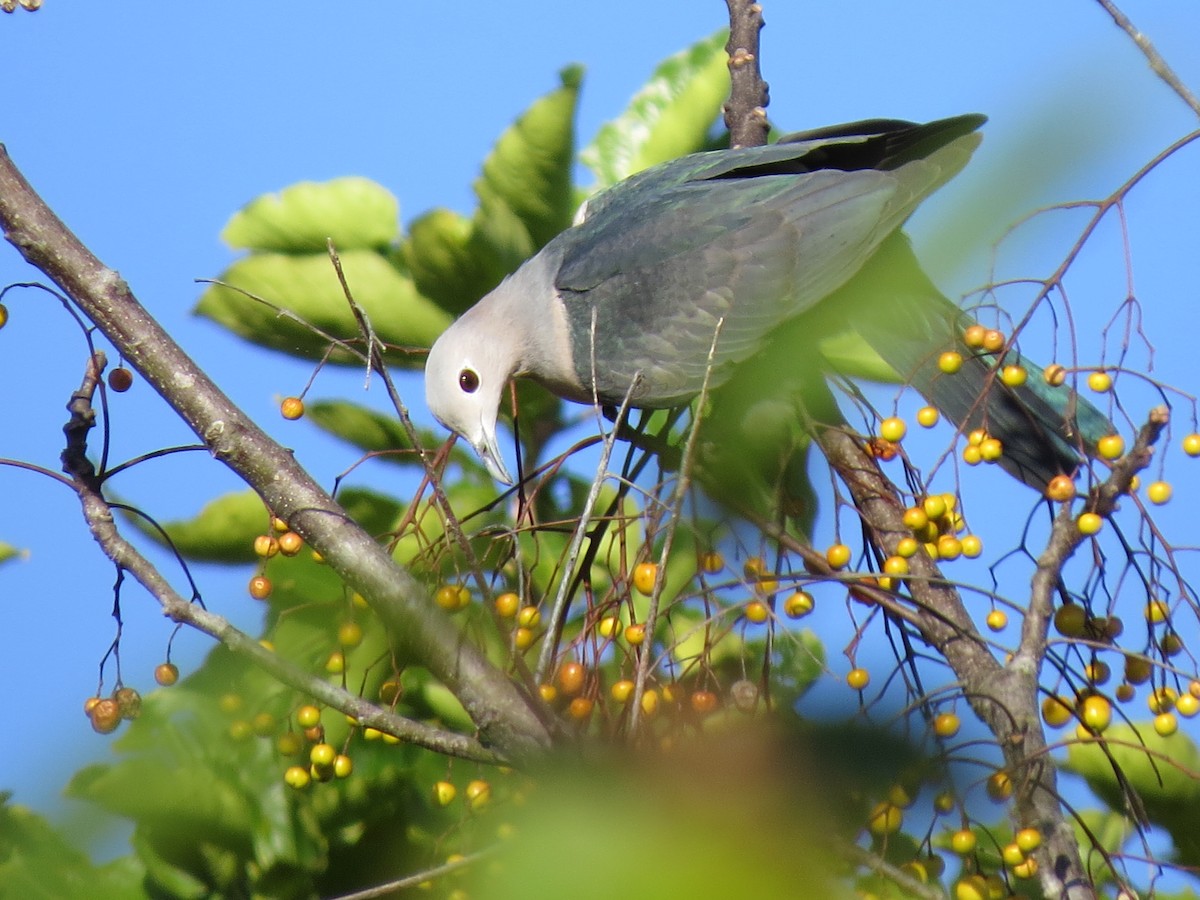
column 1044, row 430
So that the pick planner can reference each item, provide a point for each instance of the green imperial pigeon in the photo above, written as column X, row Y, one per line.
column 751, row 238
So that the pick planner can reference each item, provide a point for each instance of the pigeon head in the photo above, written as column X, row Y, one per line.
column 465, row 373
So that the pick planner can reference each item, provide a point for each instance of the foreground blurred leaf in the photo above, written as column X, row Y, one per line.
column 356, row 213
column 37, row 863
column 308, row 286
column 669, row 117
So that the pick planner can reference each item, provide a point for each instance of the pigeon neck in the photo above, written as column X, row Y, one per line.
column 529, row 306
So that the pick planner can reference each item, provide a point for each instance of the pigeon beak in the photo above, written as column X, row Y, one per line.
column 489, row 452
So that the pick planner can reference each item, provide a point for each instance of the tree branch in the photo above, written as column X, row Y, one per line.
column 746, row 110
column 419, row 629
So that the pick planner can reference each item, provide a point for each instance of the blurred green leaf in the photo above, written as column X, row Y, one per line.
column 38, row 863
column 223, row 530
column 444, row 263
column 356, row 213
column 366, row 429
column 529, row 169
column 9, row 552
column 669, row 117
column 308, row 286
column 1161, row 769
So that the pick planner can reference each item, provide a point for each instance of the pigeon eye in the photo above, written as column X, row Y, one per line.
column 468, row 381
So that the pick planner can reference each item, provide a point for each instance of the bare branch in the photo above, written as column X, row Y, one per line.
column 1159, row 65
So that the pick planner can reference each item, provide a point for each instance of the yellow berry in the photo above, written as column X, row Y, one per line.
column 1089, row 523
column 529, row 617
column 609, row 627
column 972, row 546
column 650, row 703
column 1056, row 711
column 1166, row 724
column 291, row 408
column 993, row 340
column 711, row 562
column 622, row 690
column 1099, row 382
column 1162, row 700
column 972, row 887
column 935, row 506
column 991, row 449
column 963, row 841
column 297, row 777
column 1014, row 376
column 799, row 605
column 973, row 336
column 1110, row 446
column 972, row 455
column 950, row 362
column 308, row 716
column 1187, row 705
column 1012, row 854
column 507, row 605
column 447, row 597
column 893, row 429
column 635, row 633
column 915, row 518
column 548, row 693
column 1054, row 375
column 523, row 638
column 884, row 819
column 644, row 576
column 927, row 416
column 335, row 664
column 1191, row 444
column 838, row 556
column 946, row 725
column 949, row 547
column 1028, row 839
column 1157, row 612
column 757, row 612
column 1159, row 492
column 350, row 634
column 266, row 546
column 1096, row 712
column 478, row 793
column 999, row 786
column 907, row 547
column 342, row 766
column 997, row 620
column 895, row 565
column 858, row 678
column 444, row 793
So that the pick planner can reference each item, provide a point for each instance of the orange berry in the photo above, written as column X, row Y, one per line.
column 1060, row 489
column 973, row 336
column 703, row 702
column 290, row 543
column 571, row 676
column 993, row 340
column 166, row 674
column 291, row 408
column 946, row 725
column 260, row 587
column 507, row 605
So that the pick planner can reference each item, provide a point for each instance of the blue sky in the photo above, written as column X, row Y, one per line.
column 146, row 126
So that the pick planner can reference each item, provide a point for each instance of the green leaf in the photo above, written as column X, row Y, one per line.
column 308, row 286
column 1161, row 770
column 355, row 213
column 38, row 863
column 366, row 429
column 9, row 552
column 223, row 530
column 669, row 117
column 528, row 171
column 445, row 267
